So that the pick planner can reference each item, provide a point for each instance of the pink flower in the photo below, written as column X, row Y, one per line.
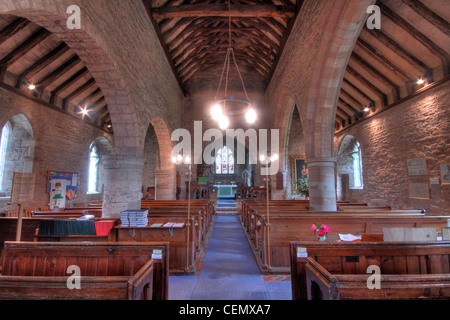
column 321, row 232
column 313, row 227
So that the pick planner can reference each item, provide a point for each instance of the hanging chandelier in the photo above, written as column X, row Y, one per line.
column 229, row 106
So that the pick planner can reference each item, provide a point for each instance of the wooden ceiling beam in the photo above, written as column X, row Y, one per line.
column 77, row 92
column 367, row 84
column 416, row 34
column 375, row 54
column 376, row 74
column 420, row 66
column 346, row 107
column 357, row 90
column 352, row 101
column 429, row 15
column 65, row 67
column 42, row 63
column 77, row 76
column 13, row 28
column 221, row 10
column 23, row 49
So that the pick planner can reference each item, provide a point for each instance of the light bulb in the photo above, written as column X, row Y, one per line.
column 174, row 159
column 84, row 111
column 262, row 158
column 274, row 157
column 31, row 87
column 420, row 81
column 187, row 160
column 250, row 115
column 179, row 157
column 216, row 111
column 224, row 122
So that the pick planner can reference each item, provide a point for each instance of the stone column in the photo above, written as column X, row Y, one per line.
column 322, row 189
column 122, row 184
column 279, row 194
column 166, row 184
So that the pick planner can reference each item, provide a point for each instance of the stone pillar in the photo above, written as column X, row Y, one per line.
column 122, row 184
column 322, row 189
column 279, row 194
column 166, row 184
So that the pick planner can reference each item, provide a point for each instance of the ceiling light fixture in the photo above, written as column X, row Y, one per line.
column 420, row 81
column 227, row 106
column 31, row 86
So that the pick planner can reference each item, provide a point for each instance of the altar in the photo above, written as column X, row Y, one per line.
column 226, row 191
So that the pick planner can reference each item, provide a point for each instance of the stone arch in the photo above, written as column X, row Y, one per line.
column 342, row 29
column 283, row 119
column 341, row 32
column 165, row 174
column 345, row 167
column 83, row 42
column 20, row 149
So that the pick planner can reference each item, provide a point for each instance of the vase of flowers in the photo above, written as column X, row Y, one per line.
column 321, row 231
column 303, row 186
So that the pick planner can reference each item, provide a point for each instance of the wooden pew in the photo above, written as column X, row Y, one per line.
column 339, row 270
column 256, row 217
column 8, row 228
column 184, row 258
column 108, row 271
column 272, row 250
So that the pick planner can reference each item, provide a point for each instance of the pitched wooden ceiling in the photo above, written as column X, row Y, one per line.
column 195, row 35
column 29, row 54
column 384, row 67
column 413, row 42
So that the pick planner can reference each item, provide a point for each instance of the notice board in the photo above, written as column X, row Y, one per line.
column 72, row 182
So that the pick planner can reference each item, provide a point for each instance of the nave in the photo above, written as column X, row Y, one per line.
column 229, row 270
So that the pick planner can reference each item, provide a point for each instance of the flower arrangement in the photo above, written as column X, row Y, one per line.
column 303, row 186
column 321, row 230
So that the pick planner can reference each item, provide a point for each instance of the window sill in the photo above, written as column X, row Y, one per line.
column 93, row 192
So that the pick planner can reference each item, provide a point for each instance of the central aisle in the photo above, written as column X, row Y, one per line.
column 229, row 270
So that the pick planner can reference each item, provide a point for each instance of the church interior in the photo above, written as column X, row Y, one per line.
column 225, row 149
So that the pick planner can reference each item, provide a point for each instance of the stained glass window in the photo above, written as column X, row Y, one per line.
column 225, row 161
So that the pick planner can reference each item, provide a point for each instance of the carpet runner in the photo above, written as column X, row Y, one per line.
column 229, row 270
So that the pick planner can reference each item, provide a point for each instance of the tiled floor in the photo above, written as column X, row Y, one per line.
column 229, row 271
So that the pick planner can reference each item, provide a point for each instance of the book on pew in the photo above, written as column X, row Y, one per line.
column 134, row 218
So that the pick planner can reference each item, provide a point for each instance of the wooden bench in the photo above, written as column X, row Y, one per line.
column 8, row 228
column 339, row 270
column 272, row 250
column 108, row 271
column 184, row 256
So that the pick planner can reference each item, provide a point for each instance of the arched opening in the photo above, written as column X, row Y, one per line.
column 151, row 164
column 164, row 172
column 295, row 153
column 349, row 168
column 17, row 151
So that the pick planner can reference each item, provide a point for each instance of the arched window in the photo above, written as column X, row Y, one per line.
column 225, row 161
column 3, row 148
column 357, row 167
column 93, row 169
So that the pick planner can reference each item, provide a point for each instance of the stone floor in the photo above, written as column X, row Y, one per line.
column 229, row 270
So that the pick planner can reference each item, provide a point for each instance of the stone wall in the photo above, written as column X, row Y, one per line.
column 413, row 128
column 61, row 143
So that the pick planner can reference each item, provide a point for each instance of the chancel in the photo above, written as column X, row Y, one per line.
column 225, row 150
